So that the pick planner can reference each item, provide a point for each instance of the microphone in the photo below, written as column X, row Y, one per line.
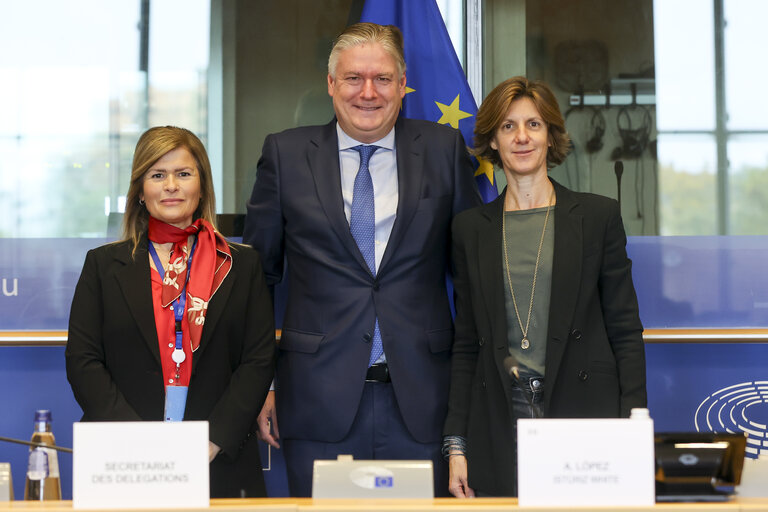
column 36, row 445
column 618, row 168
column 512, row 367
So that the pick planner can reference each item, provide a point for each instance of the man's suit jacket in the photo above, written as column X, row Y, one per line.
column 113, row 355
column 595, row 357
column 296, row 211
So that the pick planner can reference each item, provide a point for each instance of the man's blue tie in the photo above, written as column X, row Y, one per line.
column 362, row 224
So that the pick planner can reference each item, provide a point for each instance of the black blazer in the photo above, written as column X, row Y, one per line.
column 595, row 360
column 113, row 356
column 297, row 212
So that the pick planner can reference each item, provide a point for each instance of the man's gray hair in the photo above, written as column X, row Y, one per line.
column 388, row 36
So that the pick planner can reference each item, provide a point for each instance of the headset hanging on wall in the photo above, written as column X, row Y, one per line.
column 596, row 131
column 633, row 140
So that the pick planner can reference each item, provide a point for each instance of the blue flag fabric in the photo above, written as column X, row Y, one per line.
column 437, row 88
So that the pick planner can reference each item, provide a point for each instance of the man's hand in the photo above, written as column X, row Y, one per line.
column 266, row 418
column 457, row 477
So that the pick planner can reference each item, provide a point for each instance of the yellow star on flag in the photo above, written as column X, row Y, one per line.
column 486, row 168
column 451, row 113
column 408, row 90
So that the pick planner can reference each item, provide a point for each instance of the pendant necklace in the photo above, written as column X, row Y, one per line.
column 524, row 343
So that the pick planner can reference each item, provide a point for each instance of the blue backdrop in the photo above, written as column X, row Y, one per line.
column 695, row 282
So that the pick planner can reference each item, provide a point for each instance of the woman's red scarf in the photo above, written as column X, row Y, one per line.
column 211, row 263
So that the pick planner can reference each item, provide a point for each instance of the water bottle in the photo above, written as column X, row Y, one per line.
column 42, row 482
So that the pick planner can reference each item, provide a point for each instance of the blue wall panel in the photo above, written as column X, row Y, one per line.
column 34, row 378
column 682, row 282
column 701, row 281
column 710, row 388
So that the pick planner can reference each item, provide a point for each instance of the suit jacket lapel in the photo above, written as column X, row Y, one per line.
column 135, row 282
column 323, row 163
column 410, row 165
column 566, row 276
column 216, row 308
column 491, row 276
column 492, row 283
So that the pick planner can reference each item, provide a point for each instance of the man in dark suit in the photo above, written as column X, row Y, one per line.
column 361, row 210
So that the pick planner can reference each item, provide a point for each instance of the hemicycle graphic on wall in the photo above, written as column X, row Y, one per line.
column 741, row 407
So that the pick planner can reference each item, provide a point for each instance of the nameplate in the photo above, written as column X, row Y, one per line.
column 6, row 482
column 585, row 462
column 753, row 478
column 119, row 465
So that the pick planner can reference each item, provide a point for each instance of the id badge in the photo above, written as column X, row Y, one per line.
column 175, row 402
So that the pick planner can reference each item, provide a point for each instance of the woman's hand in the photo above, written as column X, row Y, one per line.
column 457, row 477
column 213, row 450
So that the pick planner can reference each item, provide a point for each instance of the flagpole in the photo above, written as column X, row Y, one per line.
column 474, row 64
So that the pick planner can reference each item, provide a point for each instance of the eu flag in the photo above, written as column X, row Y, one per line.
column 437, row 89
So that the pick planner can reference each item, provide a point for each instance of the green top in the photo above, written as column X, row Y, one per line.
column 523, row 235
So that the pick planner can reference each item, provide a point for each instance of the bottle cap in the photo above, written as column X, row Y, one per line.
column 639, row 413
column 42, row 415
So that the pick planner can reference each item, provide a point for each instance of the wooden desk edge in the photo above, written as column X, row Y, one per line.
column 752, row 335
column 444, row 504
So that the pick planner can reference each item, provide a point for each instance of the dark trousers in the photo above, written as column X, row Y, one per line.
column 527, row 395
column 378, row 432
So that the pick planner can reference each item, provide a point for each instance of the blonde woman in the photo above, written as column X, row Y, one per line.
column 173, row 322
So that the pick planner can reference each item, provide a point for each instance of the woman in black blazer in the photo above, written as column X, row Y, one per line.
column 173, row 322
column 547, row 322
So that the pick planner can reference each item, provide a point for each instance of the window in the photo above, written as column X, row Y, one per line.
column 696, row 67
column 74, row 100
column 713, row 128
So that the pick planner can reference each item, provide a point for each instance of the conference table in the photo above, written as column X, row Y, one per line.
column 405, row 505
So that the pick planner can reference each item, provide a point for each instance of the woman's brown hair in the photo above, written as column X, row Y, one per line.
column 152, row 145
column 493, row 111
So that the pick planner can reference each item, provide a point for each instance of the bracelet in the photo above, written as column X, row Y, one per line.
column 454, row 445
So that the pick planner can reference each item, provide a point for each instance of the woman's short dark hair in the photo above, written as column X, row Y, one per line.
column 493, row 112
